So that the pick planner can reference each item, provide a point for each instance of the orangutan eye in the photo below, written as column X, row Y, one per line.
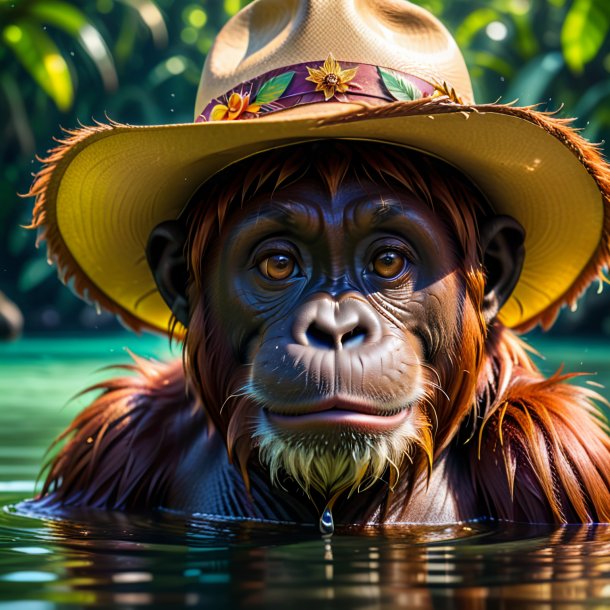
column 278, row 266
column 389, row 263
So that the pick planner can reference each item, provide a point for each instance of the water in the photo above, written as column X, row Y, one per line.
column 166, row 560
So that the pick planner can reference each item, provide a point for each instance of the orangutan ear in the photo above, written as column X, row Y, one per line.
column 502, row 239
column 165, row 255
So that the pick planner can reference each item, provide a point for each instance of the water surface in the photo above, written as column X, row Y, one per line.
column 170, row 561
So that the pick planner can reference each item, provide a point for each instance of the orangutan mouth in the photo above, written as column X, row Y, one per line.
column 337, row 411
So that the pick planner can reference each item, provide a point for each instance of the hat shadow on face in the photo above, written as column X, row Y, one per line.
column 329, row 210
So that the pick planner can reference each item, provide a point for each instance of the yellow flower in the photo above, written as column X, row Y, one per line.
column 330, row 78
column 235, row 107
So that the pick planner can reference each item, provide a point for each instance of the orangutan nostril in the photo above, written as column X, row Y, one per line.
column 316, row 337
column 319, row 338
column 354, row 337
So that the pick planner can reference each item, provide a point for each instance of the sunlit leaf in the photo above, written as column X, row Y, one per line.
column 400, row 88
column 273, row 89
column 584, row 30
column 34, row 272
column 71, row 20
column 42, row 59
column 473, row 24
column 153, row 18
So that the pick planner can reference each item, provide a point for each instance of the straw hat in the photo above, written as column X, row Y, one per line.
column 288, row 71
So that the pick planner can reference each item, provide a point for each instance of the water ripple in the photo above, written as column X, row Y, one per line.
column 95, row 558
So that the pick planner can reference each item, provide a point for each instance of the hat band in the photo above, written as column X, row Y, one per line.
column 315, row 82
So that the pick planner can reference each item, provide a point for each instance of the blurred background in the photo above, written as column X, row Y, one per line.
column 138, row 61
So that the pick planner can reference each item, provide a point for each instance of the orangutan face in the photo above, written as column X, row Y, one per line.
column 333, row 330
column 338, row 305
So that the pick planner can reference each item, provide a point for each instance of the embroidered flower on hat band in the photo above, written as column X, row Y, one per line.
column 238, row 104
column 330, row 78
column 234, row 108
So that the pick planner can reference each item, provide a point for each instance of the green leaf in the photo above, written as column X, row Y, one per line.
column 583, row 33
column 273, row 89
column 71, row 20
column 399, row 88
column 42, row 60
column 59, row 14
column 473, row 24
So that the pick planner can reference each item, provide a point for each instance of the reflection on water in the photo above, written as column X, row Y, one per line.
column 168, row 560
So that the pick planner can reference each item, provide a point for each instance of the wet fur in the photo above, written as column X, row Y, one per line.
column 539, row 453
column 528, row 448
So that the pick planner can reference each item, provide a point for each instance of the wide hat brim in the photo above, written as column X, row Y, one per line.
column 101, row 192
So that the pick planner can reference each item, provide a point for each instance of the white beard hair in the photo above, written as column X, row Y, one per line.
column 331, row 464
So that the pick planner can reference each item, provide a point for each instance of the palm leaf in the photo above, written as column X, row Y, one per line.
column 584, row 30
column 42, row 60
column 71, row 20
column 399, row 88
column 273, row 89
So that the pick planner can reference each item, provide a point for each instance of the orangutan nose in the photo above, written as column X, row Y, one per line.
column 327, row 323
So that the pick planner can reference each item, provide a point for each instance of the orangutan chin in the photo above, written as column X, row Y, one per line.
column 342, row 346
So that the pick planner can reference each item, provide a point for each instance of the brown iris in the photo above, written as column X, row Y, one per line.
column 389, row 263
column 277, row 266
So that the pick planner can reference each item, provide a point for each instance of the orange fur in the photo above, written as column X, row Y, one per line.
column 122, row 450
column 535, row 449
column 539, row 452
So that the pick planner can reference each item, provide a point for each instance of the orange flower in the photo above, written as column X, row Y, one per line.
column 330, row 78
column 235, row 107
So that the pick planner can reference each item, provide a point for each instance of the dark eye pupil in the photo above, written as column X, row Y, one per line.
column 388, row 264
column 280, row 262
column 277, row 266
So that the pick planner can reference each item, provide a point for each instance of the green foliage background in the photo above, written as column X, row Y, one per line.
column 139, row 61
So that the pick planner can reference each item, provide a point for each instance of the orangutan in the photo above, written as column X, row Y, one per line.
column 342, row 349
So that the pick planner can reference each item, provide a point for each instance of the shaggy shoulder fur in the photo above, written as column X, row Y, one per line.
column 540, row 452
column 122, row 451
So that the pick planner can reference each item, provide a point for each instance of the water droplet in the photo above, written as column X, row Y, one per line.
column 327, row 525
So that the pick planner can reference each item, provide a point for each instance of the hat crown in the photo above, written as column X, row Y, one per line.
column 271, row 34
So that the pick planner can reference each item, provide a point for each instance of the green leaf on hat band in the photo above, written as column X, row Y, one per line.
column 273, row 89
column 399, row 88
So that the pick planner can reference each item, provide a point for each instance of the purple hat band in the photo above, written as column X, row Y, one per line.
column 316, row 82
